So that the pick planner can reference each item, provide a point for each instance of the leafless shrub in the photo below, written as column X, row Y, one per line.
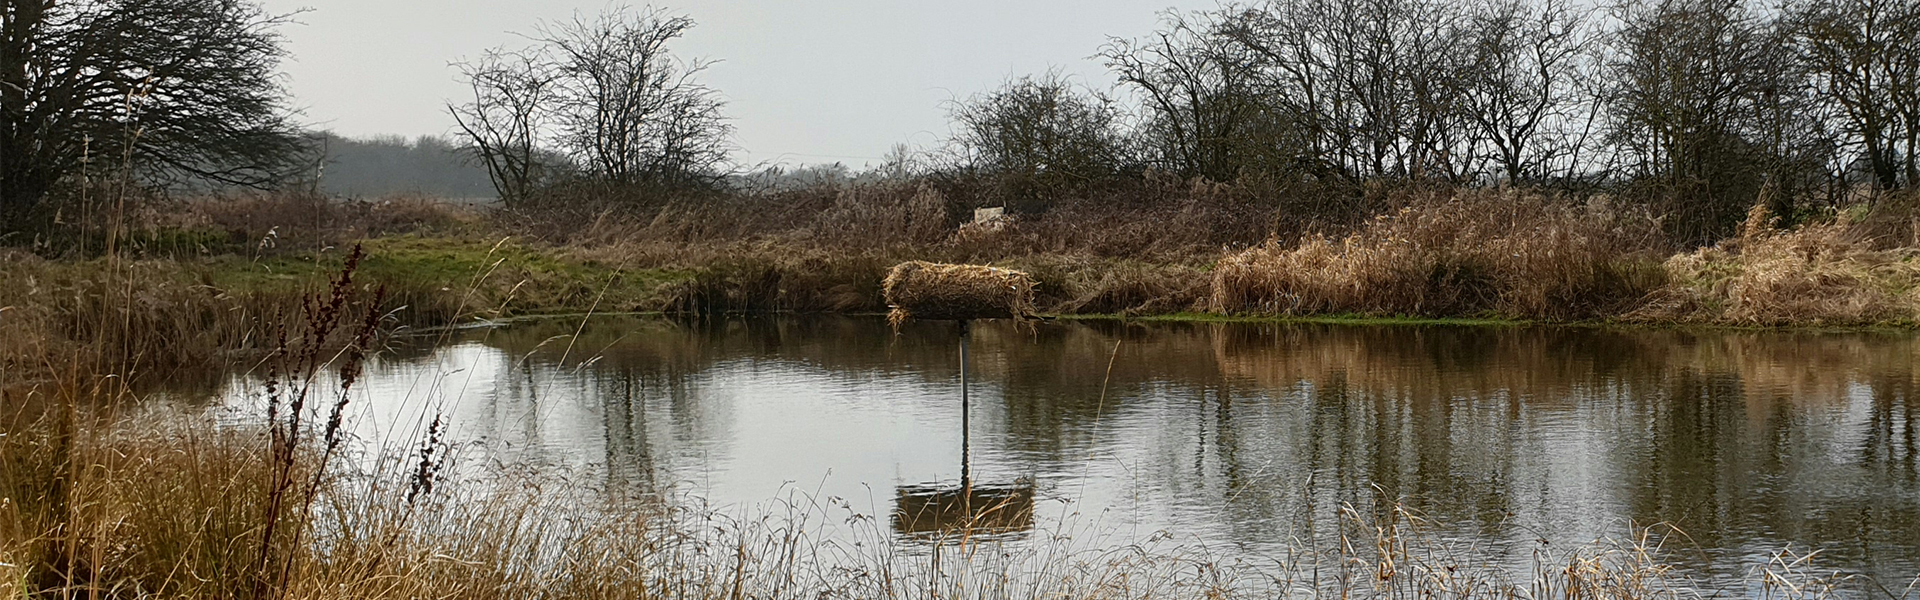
column 276, row 223
column 604, row 96
column 1040, row 139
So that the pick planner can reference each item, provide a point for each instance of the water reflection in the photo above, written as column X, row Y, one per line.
column 964, row 511
column 1243, row 436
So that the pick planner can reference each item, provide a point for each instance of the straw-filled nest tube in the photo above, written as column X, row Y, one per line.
column 925, row 290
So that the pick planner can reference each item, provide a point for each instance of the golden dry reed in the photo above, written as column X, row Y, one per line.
column 935, row 291
column 1819, row 274
column 1504, row 253
column 1485, row 253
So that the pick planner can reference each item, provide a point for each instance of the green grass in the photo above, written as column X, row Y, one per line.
column 504, row 277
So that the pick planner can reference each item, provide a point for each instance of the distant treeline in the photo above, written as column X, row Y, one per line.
column 1698, row 109
column 393, row 165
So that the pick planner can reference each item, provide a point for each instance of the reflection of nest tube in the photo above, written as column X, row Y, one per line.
column 929, row 511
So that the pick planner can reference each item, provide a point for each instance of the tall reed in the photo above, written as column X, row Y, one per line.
column 1507, row 254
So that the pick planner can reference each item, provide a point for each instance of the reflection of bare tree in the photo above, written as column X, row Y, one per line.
column 1743, row 439
column 1740, row 438
column 1891, row 428
column 629, row 456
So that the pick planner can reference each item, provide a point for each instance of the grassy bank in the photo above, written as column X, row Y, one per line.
column 201, row 277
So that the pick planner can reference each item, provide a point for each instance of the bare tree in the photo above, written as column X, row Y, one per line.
column 627, row 110
column 1862, row 56
column 1687, row 82
column 1205, row 112
column 1702, row 106
column 505, row 123
column 601, row 98
column 1906, row 93
column 1523, row 92
column 1372, row 84
column 1041, row 135
column 170, row 88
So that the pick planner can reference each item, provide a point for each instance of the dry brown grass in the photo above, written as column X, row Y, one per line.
column 1883, row 219
column 1166, row 222
column 828, row 248
column 1474, row 253
column 1157, row 220
column 161, row 320
column 1819, row 274
column 133, row 318
column 882, row 216
column 924, row 290
column 1134, row 288
column 168, row 506
column 1169, row 246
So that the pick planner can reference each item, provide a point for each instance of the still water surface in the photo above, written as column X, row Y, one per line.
column 1236, row 436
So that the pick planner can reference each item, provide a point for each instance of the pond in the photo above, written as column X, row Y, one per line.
column 1240, row 436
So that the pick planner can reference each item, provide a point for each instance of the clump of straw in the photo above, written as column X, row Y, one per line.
column 925, row 290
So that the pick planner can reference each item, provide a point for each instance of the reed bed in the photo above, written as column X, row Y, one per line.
column 148, row 320
column 129, row 318
column 280, row 223
column 1163, row 246
column 1471, row 254
column 1167, row 247
column 1821, row 274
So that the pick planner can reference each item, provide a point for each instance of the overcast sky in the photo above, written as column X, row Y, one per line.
column 806, row 81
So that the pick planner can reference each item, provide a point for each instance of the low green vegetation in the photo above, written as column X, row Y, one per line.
column 479, row 276
column 1464, row 257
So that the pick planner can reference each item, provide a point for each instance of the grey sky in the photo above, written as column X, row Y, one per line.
column 806, row 82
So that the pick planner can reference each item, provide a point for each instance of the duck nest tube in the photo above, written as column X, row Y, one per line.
column 937, row 291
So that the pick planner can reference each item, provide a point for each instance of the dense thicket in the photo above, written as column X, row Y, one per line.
column 1041, row 137
column 158, row 89
column 1697, row 108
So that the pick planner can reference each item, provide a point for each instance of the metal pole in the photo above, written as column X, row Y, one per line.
column 966, row 457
